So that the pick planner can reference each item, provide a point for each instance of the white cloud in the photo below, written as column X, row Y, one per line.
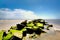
column 47, row 15
column 6, row 13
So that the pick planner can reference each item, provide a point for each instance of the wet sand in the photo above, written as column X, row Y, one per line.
column 6, row 24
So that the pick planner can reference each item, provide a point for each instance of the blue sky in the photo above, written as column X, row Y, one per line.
column 45, row 9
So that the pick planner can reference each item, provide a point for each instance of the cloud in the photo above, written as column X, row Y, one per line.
column 6, row 13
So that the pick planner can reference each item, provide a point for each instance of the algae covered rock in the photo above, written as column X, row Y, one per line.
column 20, row 31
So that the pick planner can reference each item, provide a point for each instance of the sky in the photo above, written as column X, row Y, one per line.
column 29, row 9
